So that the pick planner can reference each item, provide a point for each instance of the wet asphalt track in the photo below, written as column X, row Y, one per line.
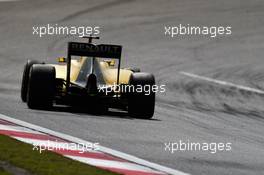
column 190, row 109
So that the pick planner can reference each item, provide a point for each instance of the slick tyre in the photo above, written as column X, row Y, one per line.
column 41, row 87
column 142, row 104
column 25, row 78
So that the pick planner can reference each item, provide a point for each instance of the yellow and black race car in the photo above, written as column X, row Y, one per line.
column 90, row 78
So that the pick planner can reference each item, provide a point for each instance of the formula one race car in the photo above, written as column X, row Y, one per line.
column 89, row 78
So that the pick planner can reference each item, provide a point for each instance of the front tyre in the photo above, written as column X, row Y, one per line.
column 133, row 69
column 141, row 104
column 41, row 86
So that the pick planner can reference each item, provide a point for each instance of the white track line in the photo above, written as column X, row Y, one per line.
column 112, row 152
column 224, row 83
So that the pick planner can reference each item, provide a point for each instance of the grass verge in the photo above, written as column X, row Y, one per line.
column 21, row 155
column 3, row 172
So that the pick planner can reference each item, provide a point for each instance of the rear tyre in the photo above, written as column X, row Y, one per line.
column 41, row 87
column 142, row 104
column 25, row 78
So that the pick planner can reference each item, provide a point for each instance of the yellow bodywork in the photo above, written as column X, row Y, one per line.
column 109, row 73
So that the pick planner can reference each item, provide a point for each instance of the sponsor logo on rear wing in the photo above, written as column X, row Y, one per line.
column 91, row 50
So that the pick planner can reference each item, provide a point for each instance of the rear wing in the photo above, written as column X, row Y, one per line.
column 92, row 50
